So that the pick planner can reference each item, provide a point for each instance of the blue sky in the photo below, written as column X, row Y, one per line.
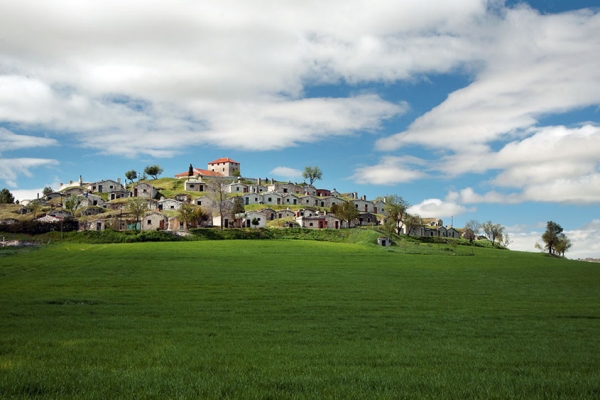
column 469, row 109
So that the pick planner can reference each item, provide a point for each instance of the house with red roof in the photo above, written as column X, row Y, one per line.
column 220, row 167
column 225, row 166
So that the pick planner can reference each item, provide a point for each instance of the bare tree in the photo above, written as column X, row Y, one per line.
column 218, row 192
column 472, row 229
column 492, row 231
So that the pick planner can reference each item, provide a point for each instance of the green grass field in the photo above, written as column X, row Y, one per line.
column 293, row 319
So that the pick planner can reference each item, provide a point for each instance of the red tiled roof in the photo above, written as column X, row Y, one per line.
column 198, row 171
column 223, row 160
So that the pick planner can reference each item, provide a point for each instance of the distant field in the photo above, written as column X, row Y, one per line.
column 295, row 319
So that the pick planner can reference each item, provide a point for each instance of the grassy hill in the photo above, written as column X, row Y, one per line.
column 293, row 319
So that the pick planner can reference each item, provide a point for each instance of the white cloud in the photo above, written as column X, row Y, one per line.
column 146, row 75
column 10, row 168
column 531, row 66
column 390, row 171
column 537, row 64
column 12, row 141
column 286, row 172
column 436, row 208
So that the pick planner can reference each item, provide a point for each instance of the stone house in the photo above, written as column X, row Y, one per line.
column 144, row 190
column 290, row 199
column 319, row 221
column 105, row 186
column 309, row 201
column 93, row 225
column 247, row 218
column 53, row 195
column 252, row 198
column 309, row 190
column 195, row 185
column 119, row 194
column 378, row 206
column 384, row 241
column 271, row 198
column 225, row 166
column 73, row 191
column 305, row 212
column 88, row 200
column 363, row 206
column 285, row 188
column 368, row 219
column 154, row 221
column 237, row 187
column 169, row 204
column 204, row 201
column 284, row 214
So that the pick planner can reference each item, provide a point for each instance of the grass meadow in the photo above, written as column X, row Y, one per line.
column 285, row 319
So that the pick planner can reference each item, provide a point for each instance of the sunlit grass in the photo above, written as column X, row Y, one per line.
column 295, row 319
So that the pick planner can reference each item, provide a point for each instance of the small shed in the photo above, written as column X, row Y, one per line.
column 384, row 241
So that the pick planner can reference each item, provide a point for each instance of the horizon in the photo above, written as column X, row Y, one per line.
column 477, row 109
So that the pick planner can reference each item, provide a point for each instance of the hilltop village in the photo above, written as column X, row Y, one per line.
column 224, row 198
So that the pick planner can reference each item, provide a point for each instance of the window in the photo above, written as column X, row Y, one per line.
column 149, row 222
column 310, row 224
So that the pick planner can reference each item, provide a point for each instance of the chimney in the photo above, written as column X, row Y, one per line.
column 119, row 181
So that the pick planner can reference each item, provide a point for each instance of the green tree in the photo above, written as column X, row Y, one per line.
column 562, row 245
column 347, row 212
column 47, row 190
column 238, row 206
column 312, row 174
column 153, row 170
column 137, row 207
column 72, row 203
column 255, row 222
column 190, row 171
column 192, row 215
column 395, row 211
column 131, row 175
column 552, row 236
column 6, row 197
column 34, row 206
column 412, row 222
